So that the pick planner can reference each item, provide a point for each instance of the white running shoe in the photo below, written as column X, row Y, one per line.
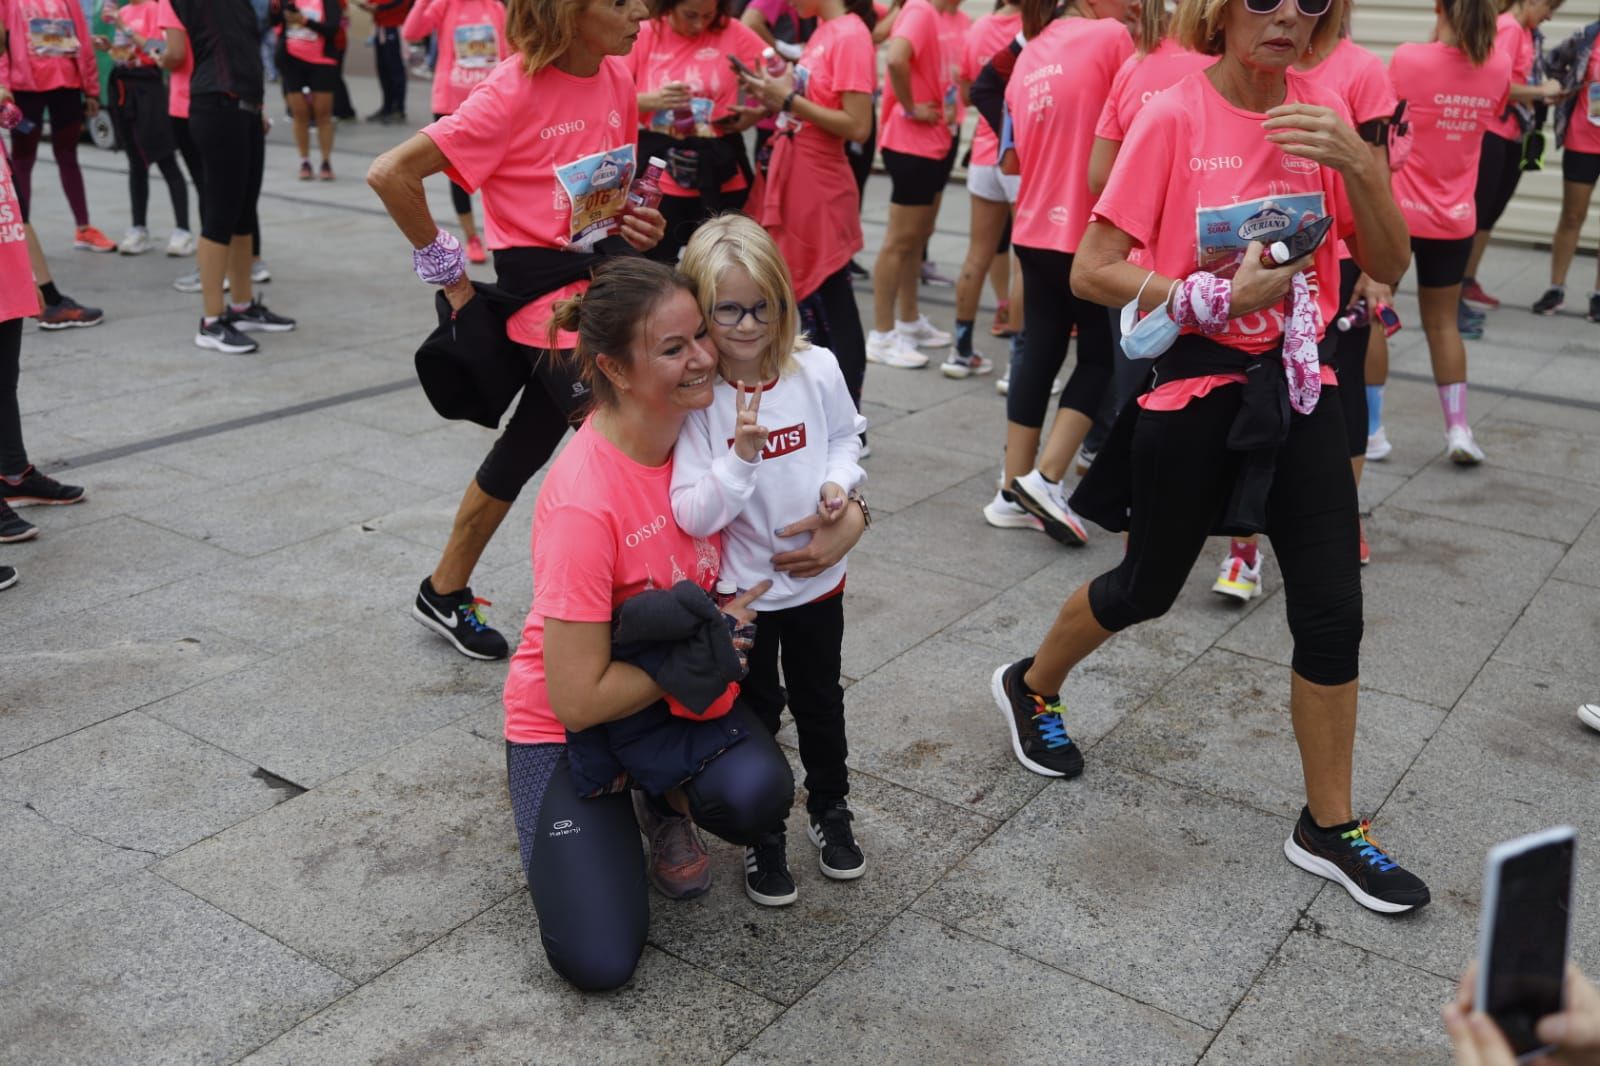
column 1464, row 451
column 259, row 272
column 922, row 333
column 189, row 282
column 960, row 366
column 1047, row 501
column 1003, row 512
column 1589, row 715
column 135, row 242
column 180, row 244
column 1003, row 385
column 1378, row 446
column 1239, row 580
column 890, row 349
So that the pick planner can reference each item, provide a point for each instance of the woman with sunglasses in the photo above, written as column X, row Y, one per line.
column 1216, row 170
column 1453, row 86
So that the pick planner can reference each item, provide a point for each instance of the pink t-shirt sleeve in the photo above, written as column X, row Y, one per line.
column 1131, row 201
column 855, row 65
column 575, row 558
column 1110, row 124
column 473, row 139
column 1371, row 93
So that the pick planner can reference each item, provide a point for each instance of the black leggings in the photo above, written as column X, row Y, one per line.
column 844, row 334
column 139, row 163
column 1499, row 170
column 232, row 151
column 582, row 858
column 1350, row 363
column 1182, row 470
column 1051, row 310
column 460, row 198
column 66, row 126
column 13, row 456
column 861, row 161
column 553, row 399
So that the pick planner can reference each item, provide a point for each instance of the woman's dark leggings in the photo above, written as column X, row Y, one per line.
column 460, row 198
column 13, row 456
column 1350, row 363
column 66, row 126
column 845, row 338
column 582, row 857
column 139, row 175
column 1181, row 472
column 191, row 159
column 1051, row 310
column 861, row 161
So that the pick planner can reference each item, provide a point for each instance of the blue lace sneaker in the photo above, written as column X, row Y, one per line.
column 1038, row 734
column 1348, row 856
column 457, row 617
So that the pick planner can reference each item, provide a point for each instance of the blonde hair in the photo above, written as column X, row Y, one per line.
column 542, row 29
column 1198, row 26
column 730, row 240
column 1475, row 24
column 1152, row 26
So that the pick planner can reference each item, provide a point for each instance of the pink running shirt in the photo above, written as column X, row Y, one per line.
column 48, row 47
column 602, row 533
column 1197, row 180
column 1448, row 100
column 553, row 154
column 178, row 81
column 987, row 36
column 1583, row 129
column 953, row 29
column 1142, row 77
column 662, row 55
column 1357, row 77
column 919, row 25
column 1055, row 96
column 1513, row 39
column 18, row 297
column 303, row 42
column 472, row 40
column 144, row 20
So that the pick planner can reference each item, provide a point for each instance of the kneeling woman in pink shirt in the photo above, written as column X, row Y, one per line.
column 1242, row 430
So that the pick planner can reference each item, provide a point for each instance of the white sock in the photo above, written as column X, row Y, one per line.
column 906, row 327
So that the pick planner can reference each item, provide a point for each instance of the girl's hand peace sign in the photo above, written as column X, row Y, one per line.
column 749, row 437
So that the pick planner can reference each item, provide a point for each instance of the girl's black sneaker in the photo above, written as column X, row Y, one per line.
column 1348, row 856
column 840, row 856
column 14, row 528
column 767, row 880
column 8, row 576
column 36, row 489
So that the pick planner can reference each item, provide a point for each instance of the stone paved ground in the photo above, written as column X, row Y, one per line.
column 251, row 811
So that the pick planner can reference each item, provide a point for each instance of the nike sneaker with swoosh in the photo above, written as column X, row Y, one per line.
column 458, row 618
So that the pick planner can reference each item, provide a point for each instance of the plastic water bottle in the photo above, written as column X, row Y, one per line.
column 12, row 118
column 646, row 188
column 683, row 122
column 1354, row 317
column 773, row 62
column 743, row 633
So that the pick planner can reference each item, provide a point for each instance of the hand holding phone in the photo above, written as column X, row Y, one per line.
column 1298, row 245
column 738, row 67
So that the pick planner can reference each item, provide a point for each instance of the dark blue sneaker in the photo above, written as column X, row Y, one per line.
column 1038, row 734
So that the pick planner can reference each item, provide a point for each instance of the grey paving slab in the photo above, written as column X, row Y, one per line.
column 119, row 487
column 974, row 421
column 369, row 868
column 320, row 711
column 913, row 390
column 1319, row 1001
column 947, row 534
column 284, row 507
column 1513, row 500
column 485, row 995
column 142, row 972
column 1377, row 485
column 1559, row 633
column 1569, row 374
column 923, row 993
column 69, row 671
column 97, row 564
column 1582, row 561
column 1109, row 876
column 917, row 472
column 404, row 413
column 780, row 952
column 427, row 521
column 1414, row 423
column 136, row 783
column 1541, row 449
column 49, row 865
column 442, row 460
column 1585, row 419
column 1223, row 726
column 891, row 606
column 294, row 442
column 1459, row 560
column 1512, row 758
column 1423, row 647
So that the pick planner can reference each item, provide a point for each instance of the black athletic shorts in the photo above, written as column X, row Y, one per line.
column 1440, row 263
column 1580, row 167
column 297, row 74
column 918, row 180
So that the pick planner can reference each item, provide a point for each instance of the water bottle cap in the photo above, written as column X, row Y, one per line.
column 726, row 587
column 657, row 161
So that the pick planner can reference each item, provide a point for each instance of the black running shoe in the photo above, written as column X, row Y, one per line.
column 13, row 528
column 220, row 336
column 36, row 489
column 8, row 577
column 257, row 319
column 70, row 314
column 1038, row 735
column 1594, row 307
column 456, row 617
column 767, row 880
column 1348, row 856
column 841, row 857
column 1550, row 302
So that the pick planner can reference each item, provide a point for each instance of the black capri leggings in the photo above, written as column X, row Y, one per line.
column 843, row 334
column 552, row 399
column 232, row 151
column 13, row 456
column 583, row 861
column 1499, row 170
column 460, row 198
column 1350, row 363
column 1441, row 262
column 1181, row 477
column 1051, row 310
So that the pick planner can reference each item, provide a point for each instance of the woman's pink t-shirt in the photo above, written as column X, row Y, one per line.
column 49, row 47
column 143, row 19
column 18, row 297
column 953, row 29
column 808, row 200
column 1583, row 130
column 1197, row 180
column 305, row 43
column 553, row 154
column 1514, row 39
column 920, row 26
column 662, row 55
column 178, row 81
column 1055, row 95
column 1357, row 77
column 602, row 533
column 472, row 40
column 987, row 36
column 1448, row 100
column 1140, row 78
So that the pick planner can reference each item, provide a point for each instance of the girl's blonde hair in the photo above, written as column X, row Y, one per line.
column 1152, row 26
column 730, row 240
column 1198, row 26
column 542, row 29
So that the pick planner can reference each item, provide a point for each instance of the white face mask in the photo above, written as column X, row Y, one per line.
column 1150, row 336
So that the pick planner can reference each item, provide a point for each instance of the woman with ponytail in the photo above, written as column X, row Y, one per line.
column 1453, row 86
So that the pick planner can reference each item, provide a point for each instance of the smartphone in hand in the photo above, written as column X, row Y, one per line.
column 1299, row 244
column 1523, row 934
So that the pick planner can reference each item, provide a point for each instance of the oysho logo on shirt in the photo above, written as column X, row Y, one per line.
column 561, row 129
column 1216, row 162
column 646, row 531
column 782, row 441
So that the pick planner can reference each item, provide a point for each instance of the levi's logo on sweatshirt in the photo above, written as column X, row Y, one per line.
column 782, row 441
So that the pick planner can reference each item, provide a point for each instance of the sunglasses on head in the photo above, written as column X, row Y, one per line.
column 1308, row 8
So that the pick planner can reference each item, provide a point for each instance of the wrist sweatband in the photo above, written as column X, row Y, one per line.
column 441, row 262
column 1202, row 301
